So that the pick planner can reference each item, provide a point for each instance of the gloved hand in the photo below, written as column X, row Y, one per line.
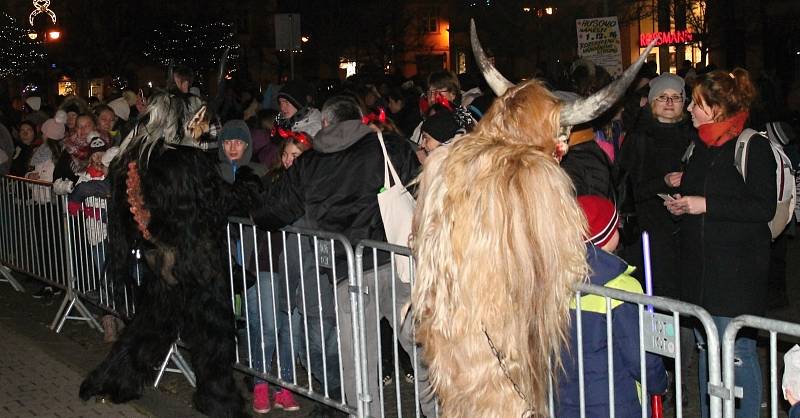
column 62, row 186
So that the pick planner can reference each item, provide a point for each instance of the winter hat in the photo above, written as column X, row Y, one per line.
column 602, row 217
column 54, row 128
column 663, row 82
column 130, row 97
column 73, row 108
column 120, row 107
column 295, row 92
column 234, row 131
column 34, row 102
column 442, row 127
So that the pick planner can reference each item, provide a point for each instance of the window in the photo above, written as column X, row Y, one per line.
column 429, row 20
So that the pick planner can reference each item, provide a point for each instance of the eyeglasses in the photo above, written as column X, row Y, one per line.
column 433, row 92
column 673, row 99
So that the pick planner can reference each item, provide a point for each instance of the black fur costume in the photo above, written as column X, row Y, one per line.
column 186, row 291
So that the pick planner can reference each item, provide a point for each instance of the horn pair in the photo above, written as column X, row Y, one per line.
column 575, row 112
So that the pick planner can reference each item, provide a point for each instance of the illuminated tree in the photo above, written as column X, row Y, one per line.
column 197, row 46
column 18, row 53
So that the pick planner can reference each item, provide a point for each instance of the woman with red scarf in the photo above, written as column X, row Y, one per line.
column 724, row 237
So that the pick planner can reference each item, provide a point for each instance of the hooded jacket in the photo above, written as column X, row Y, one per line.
column 607, row 271
column 334, row 186
column 228, row 168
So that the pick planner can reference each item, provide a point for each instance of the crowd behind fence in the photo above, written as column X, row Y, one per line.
column 311, row 297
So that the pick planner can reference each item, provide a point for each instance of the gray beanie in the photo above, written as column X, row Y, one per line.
column 663, row 82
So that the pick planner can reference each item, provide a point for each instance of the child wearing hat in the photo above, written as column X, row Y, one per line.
column 609, row 271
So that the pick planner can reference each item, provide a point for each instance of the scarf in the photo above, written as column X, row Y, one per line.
column 716, row 134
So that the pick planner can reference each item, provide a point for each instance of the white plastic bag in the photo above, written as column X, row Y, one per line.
column 791, row 372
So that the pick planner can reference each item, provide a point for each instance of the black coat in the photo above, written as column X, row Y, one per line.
column 334, row 187
column 725, row 252
column 650, row 151
column 590, row 170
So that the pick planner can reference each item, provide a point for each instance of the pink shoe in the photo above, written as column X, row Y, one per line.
column 285, row 400
column 261, row 398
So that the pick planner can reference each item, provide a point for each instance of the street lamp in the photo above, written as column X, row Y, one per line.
column 54, row 34
column 33, row 35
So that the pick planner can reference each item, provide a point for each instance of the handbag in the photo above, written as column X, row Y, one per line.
column 397, row 210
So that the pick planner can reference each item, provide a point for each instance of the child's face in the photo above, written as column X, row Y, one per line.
column 612, row 243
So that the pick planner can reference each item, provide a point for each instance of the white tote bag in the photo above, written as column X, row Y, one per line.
column 397, row 210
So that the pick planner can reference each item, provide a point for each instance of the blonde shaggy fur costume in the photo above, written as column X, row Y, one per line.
column 499, row 241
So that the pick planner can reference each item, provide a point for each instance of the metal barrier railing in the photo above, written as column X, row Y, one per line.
column 384, row 294
column 292, row 308
column 31, row 232
column 41, row 238
column 658, row 334
column 774, row 327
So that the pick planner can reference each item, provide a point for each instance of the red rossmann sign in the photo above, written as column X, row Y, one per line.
column 665, row 38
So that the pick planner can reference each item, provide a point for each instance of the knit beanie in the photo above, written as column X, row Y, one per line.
column 34, row 102
column 602, row 217
column 663, row 82
column 442, row 126
column 121, row 108
column 295, row 92
column 54, row 128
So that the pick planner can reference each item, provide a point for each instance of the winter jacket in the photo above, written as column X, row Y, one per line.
column 335, row 185
column 22, row 159
column 650, row 151
column 725, row 251
column 611, row 272
column 590, row 169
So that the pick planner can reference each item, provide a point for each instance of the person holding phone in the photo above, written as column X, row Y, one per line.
column 652, row 150
column 724, row 236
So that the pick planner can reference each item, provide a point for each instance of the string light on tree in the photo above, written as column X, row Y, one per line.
column 19, row 53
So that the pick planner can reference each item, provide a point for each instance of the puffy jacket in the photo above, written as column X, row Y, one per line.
column 608, row 271
column 335, row 185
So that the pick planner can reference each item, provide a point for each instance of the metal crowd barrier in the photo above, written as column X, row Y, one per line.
column 774, row 327
column 659, row 333
column 341, row 352
column 385, row 295
column 31, row 232
column 86, row 239
column 293, row 303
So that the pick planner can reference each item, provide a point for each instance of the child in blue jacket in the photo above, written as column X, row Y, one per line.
column 609, row 271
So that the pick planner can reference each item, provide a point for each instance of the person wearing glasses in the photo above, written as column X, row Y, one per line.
column 651, row 154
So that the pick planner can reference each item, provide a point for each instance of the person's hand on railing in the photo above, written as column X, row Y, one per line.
column 62, row 186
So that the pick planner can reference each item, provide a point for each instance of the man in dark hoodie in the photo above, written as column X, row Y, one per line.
column 334, row 187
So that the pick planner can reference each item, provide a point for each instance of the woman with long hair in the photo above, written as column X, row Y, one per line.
column 724, row 236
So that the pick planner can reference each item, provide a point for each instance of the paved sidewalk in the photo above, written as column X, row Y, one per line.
column 34, row 384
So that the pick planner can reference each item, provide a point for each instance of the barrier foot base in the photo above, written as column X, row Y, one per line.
column 180, row 363
column 6, row 276
column 71, row 301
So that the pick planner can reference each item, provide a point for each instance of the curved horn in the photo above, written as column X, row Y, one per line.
column 583, row 110
column 496, row 81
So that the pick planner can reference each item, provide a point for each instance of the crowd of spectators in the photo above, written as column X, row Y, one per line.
column 318, row 160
